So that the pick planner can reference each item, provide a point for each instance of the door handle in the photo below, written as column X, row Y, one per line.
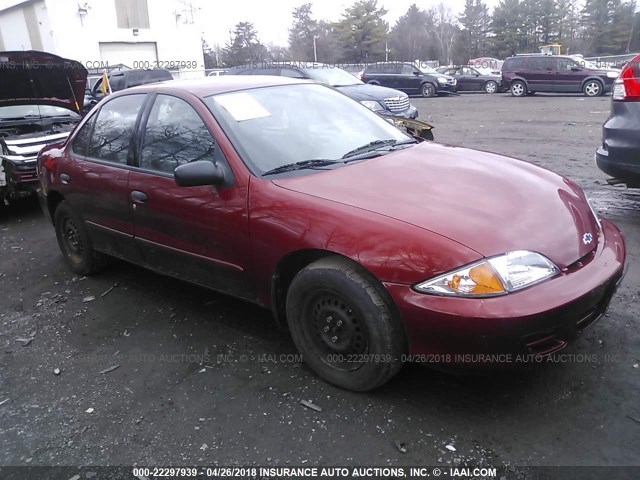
column 64, row 178
column 138, row 196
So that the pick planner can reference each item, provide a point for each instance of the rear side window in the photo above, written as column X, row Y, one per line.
column 117, row 82
column 174, row 135
column 382, row 68
column 511, row 64
column 113, row 129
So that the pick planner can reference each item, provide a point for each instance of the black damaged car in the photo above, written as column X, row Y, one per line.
column 41, row 98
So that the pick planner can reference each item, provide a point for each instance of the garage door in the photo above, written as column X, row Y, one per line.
column 133, row 55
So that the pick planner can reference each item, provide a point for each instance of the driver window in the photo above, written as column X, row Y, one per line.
column 174, row 135
column 408, row 69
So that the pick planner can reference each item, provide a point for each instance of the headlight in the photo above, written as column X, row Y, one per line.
column 492, row 276
column 613, row 74
column 441, row 80
column 371, row 105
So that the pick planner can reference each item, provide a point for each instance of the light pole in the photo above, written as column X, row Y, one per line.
column 315, row 52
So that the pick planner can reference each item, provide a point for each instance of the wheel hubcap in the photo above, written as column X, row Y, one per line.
column 72, row 238
column 491, row 87
column 336, row 331
column 593, row 89
column 427, row 90
column 518, row 89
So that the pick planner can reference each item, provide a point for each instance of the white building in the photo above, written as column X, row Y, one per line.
column 136, row 33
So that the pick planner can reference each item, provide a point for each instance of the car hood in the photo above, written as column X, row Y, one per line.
column 369, row 92
column 32, row 77
column 489, row 203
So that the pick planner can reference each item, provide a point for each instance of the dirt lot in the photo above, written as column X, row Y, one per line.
column 203, row 379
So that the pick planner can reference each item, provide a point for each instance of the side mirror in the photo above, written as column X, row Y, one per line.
column 416, row 72
column 202, row 172
column 576, row 69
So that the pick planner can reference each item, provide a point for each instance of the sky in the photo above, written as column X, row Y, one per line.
column 272, row 18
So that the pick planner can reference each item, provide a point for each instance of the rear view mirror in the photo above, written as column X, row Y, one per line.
column 202, row 172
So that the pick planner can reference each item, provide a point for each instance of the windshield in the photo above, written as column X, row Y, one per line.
column 427, row 69
column 336, row 77
column 17, row 111
column 276, row 126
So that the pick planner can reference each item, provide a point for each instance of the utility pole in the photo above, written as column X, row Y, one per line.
column 315, row 52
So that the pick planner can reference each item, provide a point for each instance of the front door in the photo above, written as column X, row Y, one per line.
column 198, row 233
column 570, row 75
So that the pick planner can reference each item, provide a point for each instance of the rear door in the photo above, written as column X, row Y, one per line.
column 407, row 80
column 97, row 175
column 196, row 233
column 569, row 75
column 540, row 71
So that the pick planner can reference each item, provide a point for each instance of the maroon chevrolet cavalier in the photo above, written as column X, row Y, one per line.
column 373, row 247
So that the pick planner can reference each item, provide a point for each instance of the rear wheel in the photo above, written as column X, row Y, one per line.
column 518, row 89
column 491, row 87
column 342, row 322
column 428, row 89
column 593, row 88
column 75, row 243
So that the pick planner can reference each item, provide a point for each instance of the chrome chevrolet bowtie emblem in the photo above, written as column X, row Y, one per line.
column 587, row 238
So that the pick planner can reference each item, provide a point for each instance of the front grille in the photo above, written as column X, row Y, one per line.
column 397, row 104
column 28, row 149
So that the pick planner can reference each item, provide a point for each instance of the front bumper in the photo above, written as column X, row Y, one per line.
column 619, row 154
column 446, row 88
column 19, row 178
column 411, row 112
column 534, row 322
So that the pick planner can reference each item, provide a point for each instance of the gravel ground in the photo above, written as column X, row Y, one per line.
column 204, row 379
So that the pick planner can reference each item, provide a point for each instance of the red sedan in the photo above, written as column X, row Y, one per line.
column 374, row 248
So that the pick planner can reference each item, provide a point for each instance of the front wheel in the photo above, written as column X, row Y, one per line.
column 343, row 323
column 428, row 90
column 593, row 88
column 491, row 87
column 518, row 89
column 75, row 243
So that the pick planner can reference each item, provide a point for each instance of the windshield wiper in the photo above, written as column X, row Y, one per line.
column 304, row 164
column 373, row 148
column 369, row 147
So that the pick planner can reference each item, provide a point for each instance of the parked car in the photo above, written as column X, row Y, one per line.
column 385, row 101
column 40, row 97
column 217, row 72
column 409, row 78
column 374, row 248
column 489, row 63
column 524, row 74
column 619, row 154
column 122, row 79
column 472, row 80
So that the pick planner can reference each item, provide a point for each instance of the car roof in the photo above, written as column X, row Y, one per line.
column 205, row 86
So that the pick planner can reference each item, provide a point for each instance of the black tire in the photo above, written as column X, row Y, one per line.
column 518, row 88
column 74, row 242
column 491, row 87
column 593, row 88
column 428, row 90
column 344, row 324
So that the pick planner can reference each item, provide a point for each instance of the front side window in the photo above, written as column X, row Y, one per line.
column 81, row 141
column 276, row 126
column 174, row 135
column 113, row 130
